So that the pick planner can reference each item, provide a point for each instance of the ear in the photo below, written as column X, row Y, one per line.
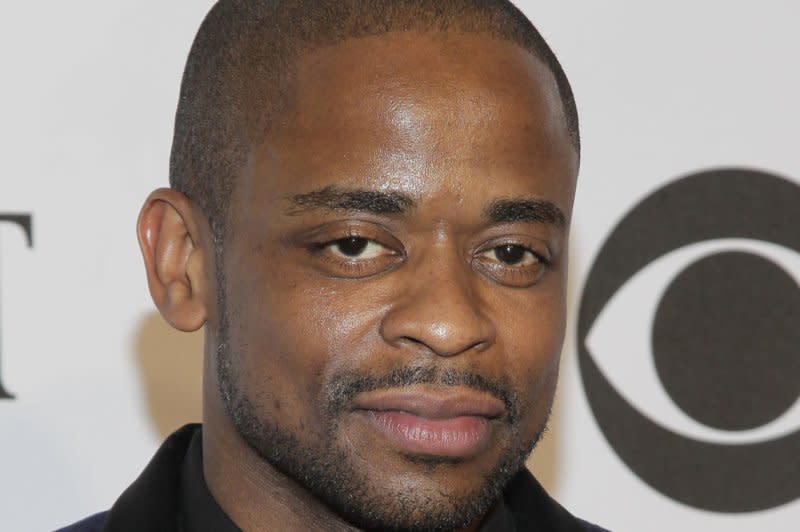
column 172, row 237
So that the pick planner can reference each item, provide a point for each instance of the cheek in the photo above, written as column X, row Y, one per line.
column 532, row 333
column 293, row 335
column 532, row 323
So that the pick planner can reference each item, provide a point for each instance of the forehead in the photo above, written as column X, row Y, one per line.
column 415, row 112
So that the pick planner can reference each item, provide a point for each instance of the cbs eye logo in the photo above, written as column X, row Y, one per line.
column 689, row 340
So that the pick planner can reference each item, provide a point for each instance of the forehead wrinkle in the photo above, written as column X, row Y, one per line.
column 346, row 199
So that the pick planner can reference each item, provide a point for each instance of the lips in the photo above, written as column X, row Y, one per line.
column 452, row 423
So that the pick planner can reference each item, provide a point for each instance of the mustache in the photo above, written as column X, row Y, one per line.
column 345, row 386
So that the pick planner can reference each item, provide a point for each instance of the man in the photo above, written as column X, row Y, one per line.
column 369, row 215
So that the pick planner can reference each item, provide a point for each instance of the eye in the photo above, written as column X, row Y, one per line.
column 355, row 247
column 355, row 256
column 511, row 255
column 633, row 309
column 511, row 264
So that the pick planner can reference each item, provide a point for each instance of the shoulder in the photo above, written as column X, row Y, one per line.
column 151, row 500
column 589, row 527
column 92, row 523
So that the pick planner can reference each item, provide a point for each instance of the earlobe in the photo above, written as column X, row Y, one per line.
column 172, row 248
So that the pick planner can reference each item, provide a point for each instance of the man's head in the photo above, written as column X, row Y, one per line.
column 375, row 232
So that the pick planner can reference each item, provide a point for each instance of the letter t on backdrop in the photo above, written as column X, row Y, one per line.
column 24, row 221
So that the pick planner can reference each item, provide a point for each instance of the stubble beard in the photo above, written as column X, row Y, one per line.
column 329, row 473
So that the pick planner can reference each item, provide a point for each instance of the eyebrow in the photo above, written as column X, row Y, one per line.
column 532, row 210
column 341, row 199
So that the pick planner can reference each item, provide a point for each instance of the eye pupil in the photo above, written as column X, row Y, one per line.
column 352, row 247
column 510, row 254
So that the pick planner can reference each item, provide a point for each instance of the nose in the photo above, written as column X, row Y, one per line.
column 440, row 310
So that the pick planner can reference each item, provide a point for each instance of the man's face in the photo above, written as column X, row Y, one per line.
column 395, row 276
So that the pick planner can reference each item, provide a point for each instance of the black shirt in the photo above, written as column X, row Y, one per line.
column 171, row 495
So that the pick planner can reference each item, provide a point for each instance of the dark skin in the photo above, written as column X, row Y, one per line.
column 442, row 129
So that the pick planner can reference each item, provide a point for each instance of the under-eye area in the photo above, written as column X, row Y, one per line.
column 512, row 264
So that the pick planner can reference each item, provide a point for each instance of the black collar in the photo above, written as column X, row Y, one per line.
column 151, row 502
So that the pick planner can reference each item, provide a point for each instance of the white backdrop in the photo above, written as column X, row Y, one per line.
column 87, row 101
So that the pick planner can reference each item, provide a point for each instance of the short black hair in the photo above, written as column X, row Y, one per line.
column 241, row 61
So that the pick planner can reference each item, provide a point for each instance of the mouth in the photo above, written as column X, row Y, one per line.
column 450, row 424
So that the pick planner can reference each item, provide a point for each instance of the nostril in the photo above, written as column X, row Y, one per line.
column 482, row 345
column 411, row 341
